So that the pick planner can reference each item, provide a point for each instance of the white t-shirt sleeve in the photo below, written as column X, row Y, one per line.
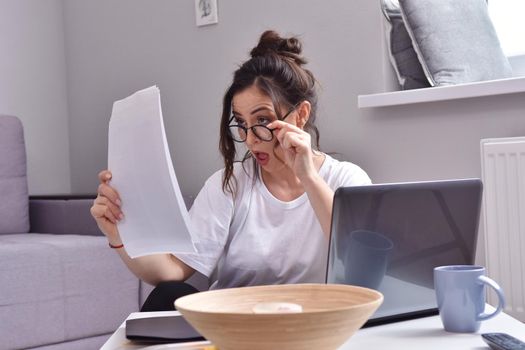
column 210, row 217
column 354, row 175
column 343, row 174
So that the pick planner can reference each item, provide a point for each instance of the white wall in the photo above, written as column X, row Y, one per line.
column 118, row 47
column 114, row 48
column 32, row 87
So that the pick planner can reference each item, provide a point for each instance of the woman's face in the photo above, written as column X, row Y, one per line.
column 251, row 107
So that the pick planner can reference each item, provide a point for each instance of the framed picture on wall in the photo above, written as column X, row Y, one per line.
column 206, row 12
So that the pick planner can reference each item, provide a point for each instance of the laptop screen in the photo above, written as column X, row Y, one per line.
column 389, row 237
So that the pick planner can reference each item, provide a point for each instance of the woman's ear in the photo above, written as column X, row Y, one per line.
column 303, row 113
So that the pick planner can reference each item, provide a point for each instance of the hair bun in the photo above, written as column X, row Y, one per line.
column 272, row 43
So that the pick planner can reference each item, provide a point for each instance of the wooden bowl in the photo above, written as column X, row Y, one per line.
column 331, row 314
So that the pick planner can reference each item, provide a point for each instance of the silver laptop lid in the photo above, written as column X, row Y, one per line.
column 389, row 237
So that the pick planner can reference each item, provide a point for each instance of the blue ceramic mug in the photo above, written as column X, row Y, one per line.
column 366, row 258
column 460, row 293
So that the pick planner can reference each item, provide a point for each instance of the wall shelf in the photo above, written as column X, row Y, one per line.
column 443, row 93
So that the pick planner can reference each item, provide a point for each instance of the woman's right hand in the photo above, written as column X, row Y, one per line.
column 106, row 208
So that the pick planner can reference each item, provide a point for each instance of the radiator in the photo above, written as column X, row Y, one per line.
column 503, row 175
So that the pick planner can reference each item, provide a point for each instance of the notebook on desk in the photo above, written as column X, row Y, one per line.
column 389, row 237
column 168, row 328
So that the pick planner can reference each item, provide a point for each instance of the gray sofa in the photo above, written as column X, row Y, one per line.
column 61, row 286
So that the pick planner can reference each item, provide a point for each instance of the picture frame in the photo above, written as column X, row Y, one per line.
column 206, row 12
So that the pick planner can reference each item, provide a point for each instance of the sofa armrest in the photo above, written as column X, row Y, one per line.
column 62, row 214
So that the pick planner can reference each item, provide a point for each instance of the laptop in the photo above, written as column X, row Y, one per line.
column 389, row 237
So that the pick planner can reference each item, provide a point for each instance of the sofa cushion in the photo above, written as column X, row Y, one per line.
column 14, row 212
column 57, row 288
column 455, row 41
column 402, row 55
column 80, row 344
column 62, row 216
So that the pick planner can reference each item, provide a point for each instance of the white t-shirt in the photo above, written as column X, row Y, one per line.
column 257, row 239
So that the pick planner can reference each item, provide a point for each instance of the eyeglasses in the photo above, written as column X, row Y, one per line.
column 239, row 133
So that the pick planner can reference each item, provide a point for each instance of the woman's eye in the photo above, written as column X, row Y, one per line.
column 240, row 122
column 263, row 121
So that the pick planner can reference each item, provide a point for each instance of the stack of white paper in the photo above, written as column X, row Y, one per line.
column 155, row 217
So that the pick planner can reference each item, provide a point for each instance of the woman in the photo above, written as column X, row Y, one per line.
column 265, row 219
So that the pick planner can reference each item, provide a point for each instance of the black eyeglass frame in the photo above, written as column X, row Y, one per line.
column 294, row 107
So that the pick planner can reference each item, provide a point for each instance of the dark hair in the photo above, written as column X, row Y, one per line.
column 275, row 68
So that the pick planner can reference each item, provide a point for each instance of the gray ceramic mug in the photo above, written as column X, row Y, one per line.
column 460, row 293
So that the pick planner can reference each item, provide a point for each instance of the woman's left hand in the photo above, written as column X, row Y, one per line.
column 297, row 148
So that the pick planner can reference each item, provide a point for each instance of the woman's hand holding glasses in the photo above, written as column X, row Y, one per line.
column 297, row 149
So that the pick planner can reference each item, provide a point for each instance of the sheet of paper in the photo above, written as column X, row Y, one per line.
column 155, row 217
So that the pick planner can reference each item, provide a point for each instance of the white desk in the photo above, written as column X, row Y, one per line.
column 423, row 333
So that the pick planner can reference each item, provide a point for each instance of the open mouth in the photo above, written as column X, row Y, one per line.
column 262, row 157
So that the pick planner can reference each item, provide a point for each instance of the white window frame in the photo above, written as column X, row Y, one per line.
column 508, row 17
